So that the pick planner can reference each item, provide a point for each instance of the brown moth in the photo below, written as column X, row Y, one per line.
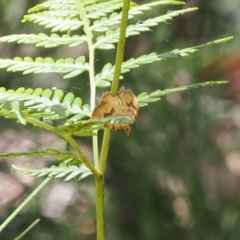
column 123, row 103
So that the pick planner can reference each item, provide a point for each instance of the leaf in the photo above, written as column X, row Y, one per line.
column 39, row 103
column 144, row 98
column 61, row 171
column 56, row 22
column 42, row 40
column 107, row 75
column 45, row 65
column 16, row 108
column 86, row 127
column 139, row 9
column 112, row 36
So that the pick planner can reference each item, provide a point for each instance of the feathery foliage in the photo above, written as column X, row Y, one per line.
column 42, row 104
column 66, row 171
column 97, row 25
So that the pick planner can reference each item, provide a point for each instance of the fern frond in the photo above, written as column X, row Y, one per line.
column 61, row 24
column 42, row 40
column 45, row 65
column 48, row 105
column 102, row 9
column 53, row 5
column 111, row 36
column 87, row 127
column 94, row 8
column 144, row 26
column 45, row 14
column 62, row 155
column 62, row 171
column 61, row 19
column 115, row 18
column 139, row 9
column 45, row 104
column 106, row 75
column 144, row 98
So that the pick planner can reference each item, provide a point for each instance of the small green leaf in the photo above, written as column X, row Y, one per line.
column 103, row 84
column 141, row 95
column 17, row 109
column 63, row 170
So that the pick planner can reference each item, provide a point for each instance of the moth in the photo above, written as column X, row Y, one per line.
column 123, row 103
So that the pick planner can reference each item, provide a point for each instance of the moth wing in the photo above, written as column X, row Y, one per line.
column 129, row 103
column 109, row 105
column 124, row 103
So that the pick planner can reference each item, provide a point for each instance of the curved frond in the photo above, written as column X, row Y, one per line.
column 139, row 9
column 61, row 16
column 45, row 65
column 106, row 75
column 103, row 24
column 111, row 36
column 64, row 16
column 53, row 5
column 56, row 23
column 48, row 105
column 42, row 40
column 41, row 104
column 102, row 9
column 94, row 8
column 144, row 98
column 154, row 57
column 86, row 127
column 62, row 155
column 62, row 171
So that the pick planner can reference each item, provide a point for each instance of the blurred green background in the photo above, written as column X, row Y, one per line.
column 177, row 175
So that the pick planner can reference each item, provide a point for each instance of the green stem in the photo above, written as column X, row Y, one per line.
column 95, row 150
column 75, row 146
column 24, row 203
column 47, row 152
column 27, row 230
column 70, row 140
column 121, row 46
column 87, row 30
column 117, row 72
column 105, row 149
column 91, row 49
column 100, row 186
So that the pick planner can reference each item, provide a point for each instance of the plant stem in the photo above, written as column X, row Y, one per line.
column 121, row 46
column 91, row 71
column 117, row 72
column 24, row 203
column 70, row 140
column 100, row 186
column 105, row 149
column 87, row 30
column 27, row 230
column 73, row 143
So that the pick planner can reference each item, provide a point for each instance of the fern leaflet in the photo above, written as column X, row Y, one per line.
column 62, row 171
column 45, row 104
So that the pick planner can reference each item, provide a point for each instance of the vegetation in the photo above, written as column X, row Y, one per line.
column 101, row 27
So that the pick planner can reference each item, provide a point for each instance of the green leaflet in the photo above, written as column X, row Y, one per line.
column 64, row 171
column 38, row 103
